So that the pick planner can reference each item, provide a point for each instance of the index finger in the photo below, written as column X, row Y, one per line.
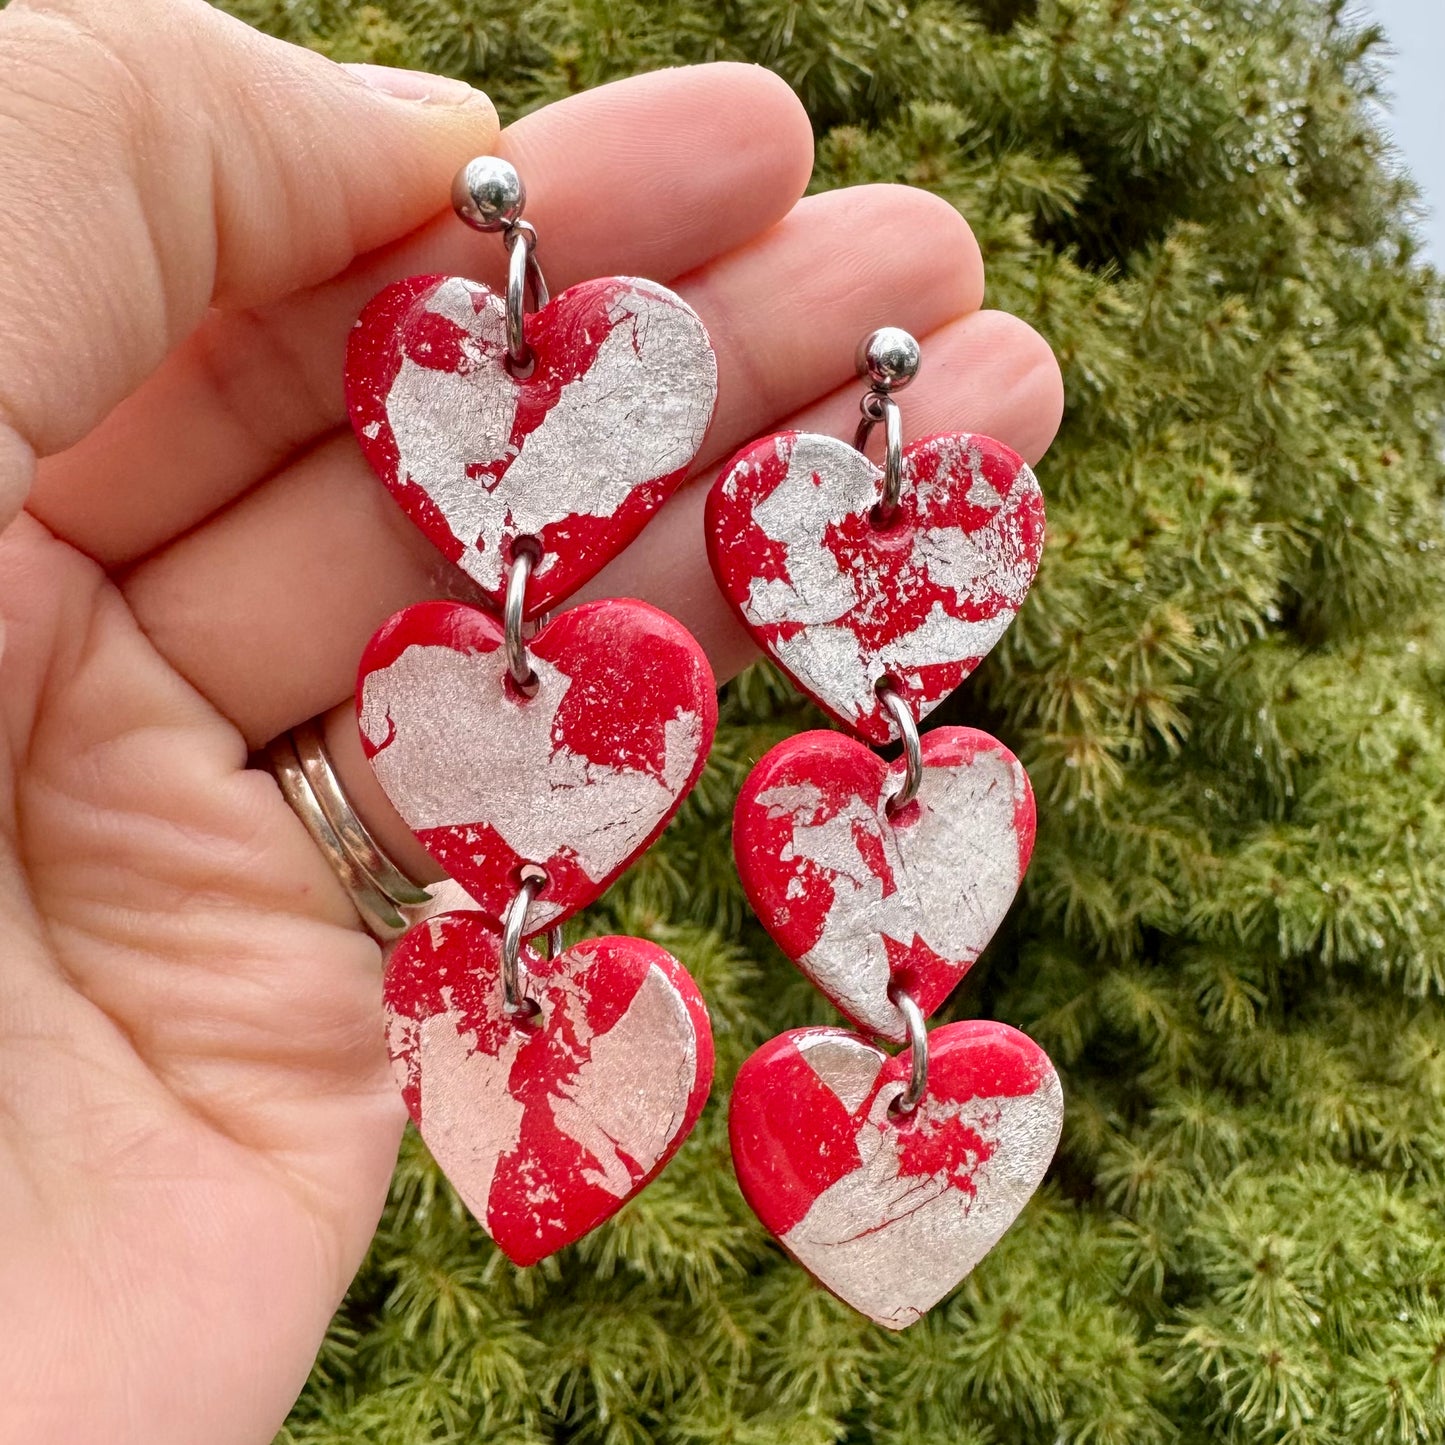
column 651, row 176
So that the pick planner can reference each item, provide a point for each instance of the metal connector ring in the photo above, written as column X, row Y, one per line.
column 907, row 727
column 524, row 282
column 910, row 1098
column 876, row 407
column 514, row 930
column 519, row 665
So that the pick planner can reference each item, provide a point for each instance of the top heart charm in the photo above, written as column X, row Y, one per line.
column 578, row 454
column 843, row 603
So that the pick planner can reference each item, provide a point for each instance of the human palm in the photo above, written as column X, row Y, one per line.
column 198, row 1118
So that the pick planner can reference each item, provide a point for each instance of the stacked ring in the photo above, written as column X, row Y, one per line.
column 380, row 890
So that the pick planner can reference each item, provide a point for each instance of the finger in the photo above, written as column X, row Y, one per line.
column 650, row 176
column 161, row 157
column 325, row 542
column 786, row 314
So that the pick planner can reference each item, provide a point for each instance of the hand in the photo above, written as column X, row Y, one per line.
column 198, row 1118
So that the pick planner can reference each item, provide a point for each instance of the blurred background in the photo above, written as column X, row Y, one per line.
column 1416, row 101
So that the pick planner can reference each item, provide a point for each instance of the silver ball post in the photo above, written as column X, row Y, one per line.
column 889, row 358
column 488, row 194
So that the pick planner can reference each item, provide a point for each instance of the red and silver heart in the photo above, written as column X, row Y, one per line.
column 576, row 779
column 577, row 454
column 547, row 1125
column 843, row 603
column 860, row 897
column 890, row 1211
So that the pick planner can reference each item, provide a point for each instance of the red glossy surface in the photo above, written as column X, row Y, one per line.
column 891, row 1212
column 578, row 454
column 842, row 602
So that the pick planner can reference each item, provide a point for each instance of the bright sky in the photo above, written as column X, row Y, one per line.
column 1417, row 109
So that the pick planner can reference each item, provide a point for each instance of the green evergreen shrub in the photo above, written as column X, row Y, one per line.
column 1227, row 687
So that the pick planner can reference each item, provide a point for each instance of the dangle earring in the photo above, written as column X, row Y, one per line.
column 878, row 591
column 531, row 439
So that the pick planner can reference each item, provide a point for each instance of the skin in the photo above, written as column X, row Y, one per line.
column 197, row 1121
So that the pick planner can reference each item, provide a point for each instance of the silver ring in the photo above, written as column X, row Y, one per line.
column 378, row 889
column 910, row 1098
column 903, row 720
column 514, row 928
column 878, row 406
column 514, row 604
column 315, row 760
column 524, row 275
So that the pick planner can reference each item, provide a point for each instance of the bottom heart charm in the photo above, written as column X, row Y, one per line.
column 859, row 897
column 890, row 1211
column 547, row 1125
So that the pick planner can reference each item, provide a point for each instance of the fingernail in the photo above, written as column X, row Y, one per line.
column 415, row 84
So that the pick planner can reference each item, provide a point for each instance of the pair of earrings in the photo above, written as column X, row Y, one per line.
column 531, row 439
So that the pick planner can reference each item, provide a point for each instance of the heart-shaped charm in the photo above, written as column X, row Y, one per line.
column 578, row 454
column 860, row 897
column 890, row 1211
column 843, row 603
column 546, row 1125
column 577, row 779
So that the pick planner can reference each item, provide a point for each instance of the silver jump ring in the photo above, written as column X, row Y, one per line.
column 870, row 404
column 524, row 276
column 910, row 1098
column 514, row 928
column 518, row 574
column 536, row 281
column 518, row 352
column 903, row 720
column 876, row 407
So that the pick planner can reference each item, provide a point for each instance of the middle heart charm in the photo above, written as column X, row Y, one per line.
column 576, row 779
column 861, row 897
column 844, row 601
column 576, row 454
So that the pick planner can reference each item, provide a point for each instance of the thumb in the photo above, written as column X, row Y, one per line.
column 159, row 157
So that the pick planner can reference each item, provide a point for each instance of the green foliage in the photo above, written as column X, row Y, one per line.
column 1229, row 688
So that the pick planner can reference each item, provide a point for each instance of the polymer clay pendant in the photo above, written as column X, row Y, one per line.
column 547, row 1119
column 534, row 759
column 842, row 599
column 890, row 1210
column 878, row 590
column 862, row 897
column 575, row 775
column 570, row 436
